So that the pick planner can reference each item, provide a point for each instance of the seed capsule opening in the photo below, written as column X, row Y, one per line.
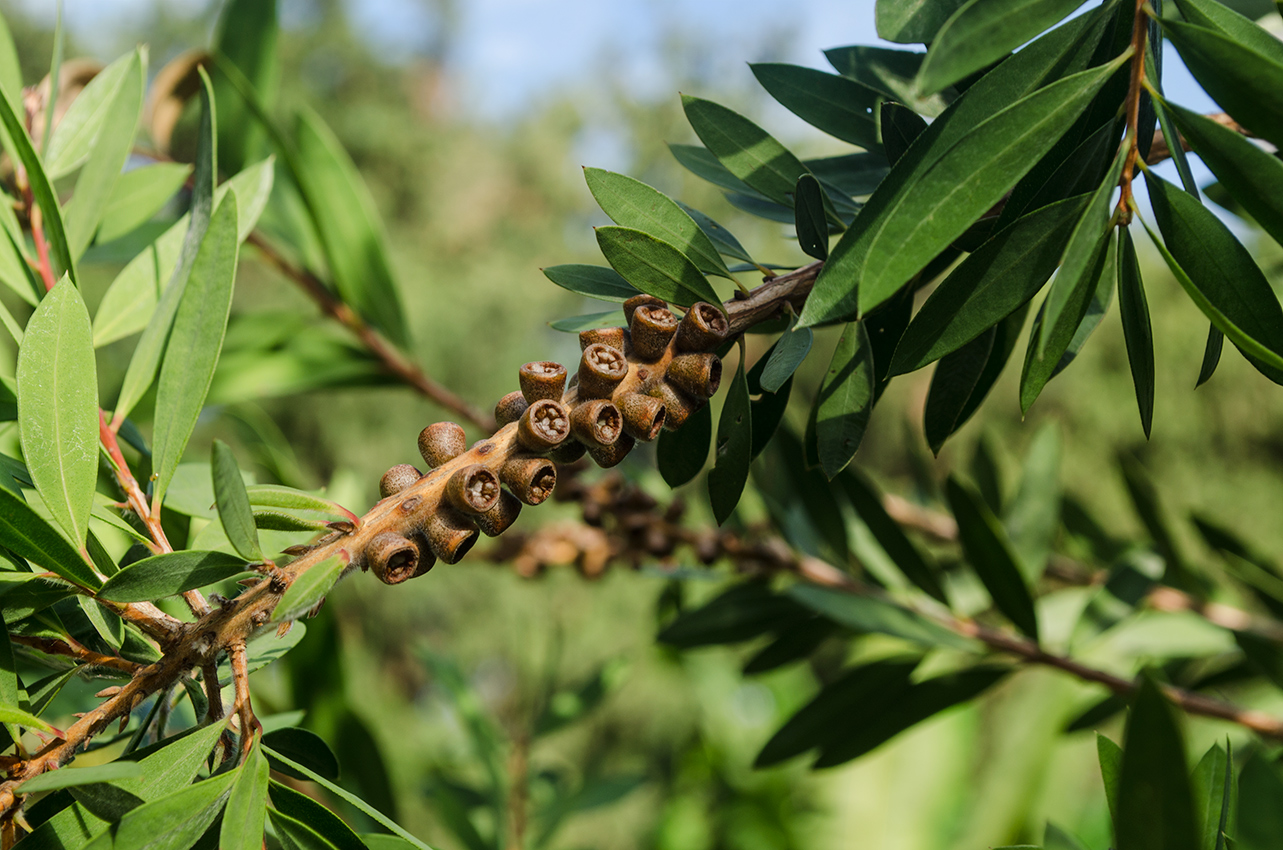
column 542, row 379
column 600, row 370
column 393, row 559
column 473, row 489
column 450, row 535
column 531, row 479
column 703, row 328
column 544, row 425
column 631, row 305
column 596, row 422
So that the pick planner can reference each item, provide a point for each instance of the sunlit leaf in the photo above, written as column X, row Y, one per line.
column 869, row 614
column 306, row 591
column 138, row 195
column 654, row 266
column 1110, row 757
column 72, row 776
column 722, row 239
column 234, row 509
column 913, row 21
column 170, row 574
column 242, row 827
column 1216, row 795
column 841, row 107
column 747, row 151
column 176, row 821
column 247, row 38
column 891, row 72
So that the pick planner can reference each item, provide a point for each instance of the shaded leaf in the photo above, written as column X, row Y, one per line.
column 301, row 747
column 18, row 717
column 988, row 550
column 889, row 71
column 722, row 239
column 1033, row 517
column 732, row 450
column 247, row 38
column 1137, row 331
column 58, row 407
column 1260, row 820
column 170, row 574
column 680, row 455
column 785, row 356
column 890, row 536
column 1216, row 796
column 1155, row 802
column 588, row 321
column 654, row 266
column 900, row 127
column 743, row 612
column 869, row 614
column 234, row 511
column 28, row 536
column 594, row 281
column 809, row 221
column 177, row 821
column 308, row 589
column 110, row 772
column 323, row 822
column 845, row 400
column 702, row 163
column 841, row 107
column 913, row 21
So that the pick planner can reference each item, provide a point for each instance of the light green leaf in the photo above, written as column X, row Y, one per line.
column 107, row 155
column 58, row 407
column 200, row 321
column 654, row 266
column 18, row 717
column 234, row 509
column 247, row 38
column 72, row 776
column 74, row 136
column 594, row 281
column 242, row 827
column 277, row 496
column 138, row 195
column 170, row 574
column 1216, row 795
column 306, row 591
column 747, row 151
column 841, row 107
column 10, row 68
column 981, row 32
column 845, row 400
column 631, row 203
column 176, row 821
column 733, row 450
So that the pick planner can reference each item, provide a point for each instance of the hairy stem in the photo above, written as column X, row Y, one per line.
column 1140, row 33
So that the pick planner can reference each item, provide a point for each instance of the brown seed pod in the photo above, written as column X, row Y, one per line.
column 600, row 370
column 697, row 374
column 614, row 337
column 650, row 330
column 510, row 408
column 531, row 479
column 392, row 558
column 473, row 489
column 677, row 405
column 703, row 328
column 612, row 455
column 596, row 422
column 500, row 518
column 441, row 442
column 643, row 416
column 542, row 379
column 397, row 479
column 640, row 301
column 568, row 452
column 543, row 426
column 450, row 534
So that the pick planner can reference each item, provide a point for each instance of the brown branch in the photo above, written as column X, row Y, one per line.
column 243, row 706
column 70, row 648
column 392, row 360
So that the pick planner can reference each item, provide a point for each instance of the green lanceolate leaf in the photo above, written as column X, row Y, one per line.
column 1077, row 264
column 988, row 285
column 870, row 614
column 297, row 835
column 654, row 266
column 845, row 400
column 277, row 496
column 1215, row 795
column 309, row 589
column 890, row 536
column 1218, row 273
column 681, row 454
column 200, row 322
column 350, row 228
column 303, row 747
column 727, row 245
column 703, row 164
column 170, row 574
column 1245, row 81
column 1223, row 19
column 138, row 195
column 809, row 220
column 323, row 823
column 913, row 21
column 631, row 203
column 234, row 509
column 28, row 536
column 981, row 32
column 1082, row 312
column 1110, row 756
column 1033, row 517
column 176, row 821
column 1163, row 109
column 247, row 38
column 1259, row 820
column 18, row 717
column 989, row 552
column 594, row 281
column 58, row 407
column 893, row 73
column 744, row 612
column 1155, row 802
column 242, row 827
column 841, row 107
column 1252, row 176
column 733, row 449
column 786, row 355
column 71, row 777
column 151, row 346
column 747, row 151
column 107, row 156
column 1211, row 355
column 900, row 127
column 9, row 687
column 1137, row 331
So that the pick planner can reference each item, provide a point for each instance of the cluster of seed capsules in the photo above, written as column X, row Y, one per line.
column 631, row 383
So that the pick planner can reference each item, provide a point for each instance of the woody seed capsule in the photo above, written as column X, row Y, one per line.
column 614, row 337
column 703, row 328
column 442, row 442
column 450, row 534
column 510, row 408
column 500, row 518
column 600, row 370
column 697, row 374
column 397, row 479
column 640, row 301
column 568, row 452
column 543, row 426
column 392, row 558
column 643, row 416
column 650, row 330
column 531, row 479
column 542, row 379
column 677, row 405
column 473, row 489
column 596, row 422
column 612, row 455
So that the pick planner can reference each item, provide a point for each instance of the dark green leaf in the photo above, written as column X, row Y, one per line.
column 1033, row 518
column 1083, row 310
column 702, row 163
column 200, row 322
column 1223, row 18
column 594, row 281
column 787, row 354
column 234, row 511
column 801, row 501
column 733, row 449
column 1218, row 273
column 1071, row 168
column 809, row 221
column 793, row 644
column 324, row 822
column 58, row 407
column 27, row 534
column 174, row 822
column 855, row 174
column 747, row 151
column 138, row 195
column 869, row 614
column 988, row 285
column 631, row 203
column 1155, row 802
column 1110, row 756
column 309, row 589
column 170, row 574
column 839, row 106
column 1167, row 124
column 9, row 687
column 654, row 266
column 1137, row 331
column 110, row 772
column 681, row 454
column 350, row 228
column 742, row 613
column 892, row 72
column 242, row 827
column 913, row 21
column 722, row 238
column 294, row 834
column 989, row 552
column 845, row 400
column 981, row 32
column 303, row 747
column 900, row 127
column 1260, row 819
column 890, row 536
column 767, row 411
column 1216, row 795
